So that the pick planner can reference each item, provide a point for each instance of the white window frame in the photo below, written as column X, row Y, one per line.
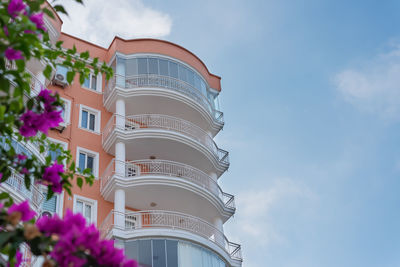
column 89, row 201
column 97, row 118
column 91, row 153
column 67, row 112
column 99, row 82
column 56, row 141
column 59, row 202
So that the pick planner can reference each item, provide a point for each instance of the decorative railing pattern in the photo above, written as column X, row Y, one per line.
column 16, row 181
column 160, row 81
column 132, row 221
column 164, row 122
column 142, row 168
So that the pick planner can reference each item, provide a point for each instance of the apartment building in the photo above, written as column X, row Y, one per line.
column 147, row 134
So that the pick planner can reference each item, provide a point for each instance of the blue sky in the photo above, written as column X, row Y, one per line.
column 311, row 96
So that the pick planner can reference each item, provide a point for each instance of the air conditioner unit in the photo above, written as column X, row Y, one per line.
column 60, row 77
column 46, row 213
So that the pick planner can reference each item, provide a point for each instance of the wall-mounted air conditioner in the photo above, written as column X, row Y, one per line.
column 60, row 77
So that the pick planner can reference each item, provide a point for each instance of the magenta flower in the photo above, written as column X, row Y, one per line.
column 15, row 7
column 12, row 54
column 37, row 19
column 5, row 29
column 21, row 157
column 52, row 176
column 18, row 259
column 75, row 238
column 1, row 176
column 26, row 212
column 47, row 96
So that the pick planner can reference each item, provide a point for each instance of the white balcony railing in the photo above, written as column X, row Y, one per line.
column 17, row 183
column 142, row 168
column 160, row 81
column 163, row 122
column 146, row 220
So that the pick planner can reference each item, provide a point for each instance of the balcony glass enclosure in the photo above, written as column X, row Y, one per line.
column 171, row 253
column 159, row 66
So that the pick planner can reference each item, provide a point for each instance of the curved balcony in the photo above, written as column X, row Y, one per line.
column 163, row 174
column 154, row 126
column 130, row 84
column 136, row 224
column 17, row 185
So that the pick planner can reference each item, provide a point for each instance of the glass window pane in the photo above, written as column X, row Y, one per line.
column 153, row 65
column 79, row 206
column 88, row 212
column 84, row 119
column 197, row 82
column 159, row 253
column 51, row 204
column 172, row 253
column 142, row 65
column 90, row 162
column 82, row 160
column 190, row 77
column 91, row 122
column 131, row 67
column 173, row 69
column 163, row 64
column 86, row 83
column 131, row 250
column 94, row 82
column 203, row 88
column 54, row 154
column 182, row 73
column 145, row 253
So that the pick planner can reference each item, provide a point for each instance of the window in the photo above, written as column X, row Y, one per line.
column 93, row 82
column 87, row 159
column 89, row 119
column 66, row 111
column 54, row 154
column 87, row 207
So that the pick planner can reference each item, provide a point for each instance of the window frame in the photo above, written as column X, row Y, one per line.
column 91, row 202
column 98, row 83
column 59, row 202
column 67, row 112
column 97, row 121
column 91, row 153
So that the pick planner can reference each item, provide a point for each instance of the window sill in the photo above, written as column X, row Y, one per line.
column 90, row 131
column 92, row 90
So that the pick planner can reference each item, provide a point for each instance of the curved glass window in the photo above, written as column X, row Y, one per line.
column 171, row 253
column 149, row 65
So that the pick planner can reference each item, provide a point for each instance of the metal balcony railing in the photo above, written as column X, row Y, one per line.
column 17, row 183
column 142, row 168
column 164, row 122
column 165, row 82
column 145, row 220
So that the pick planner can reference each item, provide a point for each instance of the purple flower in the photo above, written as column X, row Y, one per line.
column 1, row 176
column 15, row 7
column 52, row 176
column 5, row 29
column 26, row 212
column 24, row 171
column 38, row 20
column 18, row 259
column 46, row 95
column 54, row 118
column 21, row 157
column 12, row 54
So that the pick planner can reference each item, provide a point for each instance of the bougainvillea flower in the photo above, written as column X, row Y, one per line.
column 12, row 54
column 23, row 208
column 38, row 20
column 15, row 7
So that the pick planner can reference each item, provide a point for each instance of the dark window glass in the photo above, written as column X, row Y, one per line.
column 131, row 250
column 54, row 154
column 82, row 160
column 190, row 77
column 131, row 67
column 182, row 73
column 163, row 67
column 153, row 66
column 145, row 253
column 159, row 253
column 142, row 65
column 90, row 163
column 91, row 122
column 84, row 120
column 94, row 82
column 173, row 69
column 172, row 253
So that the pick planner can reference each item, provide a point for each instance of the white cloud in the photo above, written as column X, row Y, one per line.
column 375, row 87
column 99, row 21
column 256, row 225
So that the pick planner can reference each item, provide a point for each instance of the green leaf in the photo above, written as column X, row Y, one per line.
column 2, row 112
column 47, row 72
column 85, row 55
column 27, row 181
column 48, row 13
column 79, row 182
column 61, row 9
column 70, row 76
column 50, row 193
column 4, row 237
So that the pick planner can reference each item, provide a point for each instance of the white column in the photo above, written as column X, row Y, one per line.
column 120, row 113
column 119, row 207
column 219, row 238
column 120, row 159
column 214, row 176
